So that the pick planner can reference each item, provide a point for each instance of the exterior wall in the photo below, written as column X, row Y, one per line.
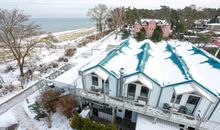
column 112, row 86
column 166, row 96
column 150, row 27
column 137, row 27
column 155, row 94
column 204, row 105
column 214, row 27
column 166, row 30
column 215, row 116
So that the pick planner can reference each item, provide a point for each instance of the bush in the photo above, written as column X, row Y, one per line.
column 157, row 34
column 48, row 100
column 62, row 59
column 54, row 64
column 70, row 52
column 141, row 35
column 9, row 68
column 80, row 123
column 125, row 34
column 36, row 108
column 66, row 105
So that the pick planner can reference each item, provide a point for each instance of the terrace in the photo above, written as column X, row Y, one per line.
column 155, row 112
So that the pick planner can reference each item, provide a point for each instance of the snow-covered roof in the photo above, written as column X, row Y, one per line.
column 167, row 63
column 158, row 21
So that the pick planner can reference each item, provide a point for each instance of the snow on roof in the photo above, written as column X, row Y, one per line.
column 146, row 123
column 183, row 88
column 165, row 63
column 159, row 21
column 141, row 79
column 202, row 66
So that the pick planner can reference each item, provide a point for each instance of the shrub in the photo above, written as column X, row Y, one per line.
column 9, row 68
column 48, row 100
column 36, row 108
column 125, row 34
column 157, row 34
column 54, row 64
column 66, row 105
column 70, row 52
column 80, row 123
column 62, row 59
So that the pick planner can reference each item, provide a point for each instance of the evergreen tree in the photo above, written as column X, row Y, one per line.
column 157, row 34
column 141, row 35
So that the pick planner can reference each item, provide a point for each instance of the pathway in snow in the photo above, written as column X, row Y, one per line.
column 23, row 119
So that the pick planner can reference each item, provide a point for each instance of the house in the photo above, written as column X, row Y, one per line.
column 150, row 25
column 142, row 82
column 200, row 24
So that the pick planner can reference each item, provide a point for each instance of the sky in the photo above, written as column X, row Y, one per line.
column 79, row 8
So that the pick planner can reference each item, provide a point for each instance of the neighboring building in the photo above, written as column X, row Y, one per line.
column 213, row 27
column 150, row 24
column 200, row 24
column 142, row 82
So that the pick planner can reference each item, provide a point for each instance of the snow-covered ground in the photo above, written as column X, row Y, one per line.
column 22, row 115
column 42, row 54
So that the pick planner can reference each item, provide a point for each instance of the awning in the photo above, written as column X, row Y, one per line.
column 101, row 73
column 183, row 89
column 203, row 93
column 141, row 79
column 188, row 88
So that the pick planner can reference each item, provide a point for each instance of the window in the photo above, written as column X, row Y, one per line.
column 178, row 99
column 144, row 91
column 131, row 88
column 95, row 81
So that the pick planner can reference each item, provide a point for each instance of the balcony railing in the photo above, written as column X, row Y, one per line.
column 173, row 116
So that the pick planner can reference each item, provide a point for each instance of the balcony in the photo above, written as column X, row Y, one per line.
column 173, row 116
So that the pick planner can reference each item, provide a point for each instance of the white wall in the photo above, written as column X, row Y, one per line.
column 166, row 96
column 154, row 95
column 112, row 86
column 215, row 116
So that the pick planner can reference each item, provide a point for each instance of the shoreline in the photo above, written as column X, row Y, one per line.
column 71, row 34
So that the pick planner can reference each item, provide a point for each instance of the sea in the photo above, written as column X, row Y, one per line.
column 62, row 24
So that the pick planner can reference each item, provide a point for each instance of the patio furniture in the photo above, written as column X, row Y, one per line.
column 182, row 109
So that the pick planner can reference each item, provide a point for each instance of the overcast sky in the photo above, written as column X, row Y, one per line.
column 78, row 8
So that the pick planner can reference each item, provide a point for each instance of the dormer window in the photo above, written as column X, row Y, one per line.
column 95, row 80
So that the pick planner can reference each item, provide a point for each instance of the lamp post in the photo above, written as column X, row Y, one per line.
column 121, row 81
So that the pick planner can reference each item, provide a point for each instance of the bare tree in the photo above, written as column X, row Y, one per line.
column 99, row 14
column 118, row 17
column 18, row 35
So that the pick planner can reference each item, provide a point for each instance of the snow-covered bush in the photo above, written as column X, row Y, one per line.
column 54, row 64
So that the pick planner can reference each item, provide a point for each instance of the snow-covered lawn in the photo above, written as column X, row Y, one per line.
column 42, row 54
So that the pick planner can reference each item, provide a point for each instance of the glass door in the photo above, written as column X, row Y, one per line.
column 191, row 104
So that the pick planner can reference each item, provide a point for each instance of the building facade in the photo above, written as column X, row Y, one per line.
column 150, row 25
column 166, row 81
